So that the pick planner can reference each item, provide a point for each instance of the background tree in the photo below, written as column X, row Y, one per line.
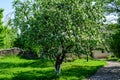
column 113, row 38
column 115, row 46
column 1, row 30
column 113, row 6
column 7, row 34
column 58, row 27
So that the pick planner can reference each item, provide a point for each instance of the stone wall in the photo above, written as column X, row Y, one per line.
column 97, row 54
column 11, row 51
column 29, row 54
column 19, row 52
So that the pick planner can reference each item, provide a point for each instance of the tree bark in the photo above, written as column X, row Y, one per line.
column 87, row 57
column 59, row 60
column 57, row 69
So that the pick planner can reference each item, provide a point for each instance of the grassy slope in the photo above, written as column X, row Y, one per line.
column 14, row 68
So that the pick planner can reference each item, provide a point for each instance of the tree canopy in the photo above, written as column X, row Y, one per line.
column 58, row 27
column 113, row 6
column 7, row 35
column 1, row 28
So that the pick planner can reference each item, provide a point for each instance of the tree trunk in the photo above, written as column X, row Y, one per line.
column 59, row 60
column 87, row 57
column 57, row 69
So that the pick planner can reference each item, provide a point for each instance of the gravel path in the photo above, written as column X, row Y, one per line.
column 110, row 72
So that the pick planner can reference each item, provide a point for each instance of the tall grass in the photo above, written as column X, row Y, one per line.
column 15, row 68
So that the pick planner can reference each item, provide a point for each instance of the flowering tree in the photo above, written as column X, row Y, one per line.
column 59, row 27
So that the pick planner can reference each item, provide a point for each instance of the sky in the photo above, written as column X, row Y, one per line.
column 7, row 6
column 112, row 18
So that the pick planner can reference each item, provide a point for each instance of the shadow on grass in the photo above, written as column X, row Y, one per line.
column 75, row 71
column 80, row 71
column 5, row 79
column 35, row 75
column 34, row 64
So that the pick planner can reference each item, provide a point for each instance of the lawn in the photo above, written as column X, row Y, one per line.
column 15, row 68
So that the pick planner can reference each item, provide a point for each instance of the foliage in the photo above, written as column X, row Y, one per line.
column 113, row 6
column 110, row 30
column 115, row 46
column 1, row 28
column 112, row 38
column 53, row 24
column 15, row 68
column 7, row 34
column 113, row 58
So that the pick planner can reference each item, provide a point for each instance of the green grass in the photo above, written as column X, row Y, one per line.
column 15, row 68
column 113, row 58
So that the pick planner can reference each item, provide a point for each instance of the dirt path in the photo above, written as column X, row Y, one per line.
column 110, row 72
